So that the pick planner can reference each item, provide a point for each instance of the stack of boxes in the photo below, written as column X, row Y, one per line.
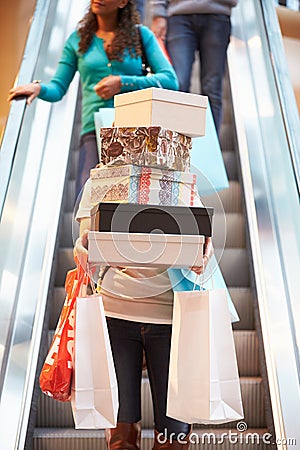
column 145, row 158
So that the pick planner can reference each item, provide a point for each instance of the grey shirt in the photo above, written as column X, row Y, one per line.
column 165, row 8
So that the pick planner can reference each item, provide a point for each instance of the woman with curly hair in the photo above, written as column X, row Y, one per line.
column 106, row 50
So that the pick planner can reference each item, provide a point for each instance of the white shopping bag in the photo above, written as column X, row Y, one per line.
column 203, row 374
column 94, row 396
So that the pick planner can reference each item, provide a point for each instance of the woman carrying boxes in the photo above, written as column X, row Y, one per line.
column 138, row 299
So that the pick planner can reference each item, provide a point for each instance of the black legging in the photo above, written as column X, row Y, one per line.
column 128, row 340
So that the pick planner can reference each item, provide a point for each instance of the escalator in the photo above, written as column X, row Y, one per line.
column 49, row 425
column 55, row 426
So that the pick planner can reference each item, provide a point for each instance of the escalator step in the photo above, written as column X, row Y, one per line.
column 229, row 229
column 231, row 199
column 229, row 158
column 57, row 414
column 226, row 138
column 227, row 112
column 70, row 439
column 74, row 164
column 70, row 196
column 247, row 352
column 243, row 301
column 234, row 265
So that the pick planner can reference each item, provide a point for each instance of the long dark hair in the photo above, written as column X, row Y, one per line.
column 126, row 36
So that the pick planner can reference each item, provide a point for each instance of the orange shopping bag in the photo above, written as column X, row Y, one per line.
column 56, row 375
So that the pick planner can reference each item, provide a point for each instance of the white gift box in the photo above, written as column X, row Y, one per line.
column 178, row 111
column 145, row 249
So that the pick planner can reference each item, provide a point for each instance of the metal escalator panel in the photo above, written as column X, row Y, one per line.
column 16, row 113
column 16, row 21
column 267, row 126
column 33, row 162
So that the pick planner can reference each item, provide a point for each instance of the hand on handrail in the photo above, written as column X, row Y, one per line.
column 29, row 91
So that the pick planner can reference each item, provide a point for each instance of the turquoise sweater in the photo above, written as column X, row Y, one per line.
column 95, row 65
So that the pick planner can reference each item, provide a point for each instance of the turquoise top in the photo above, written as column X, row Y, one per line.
column 95, row 65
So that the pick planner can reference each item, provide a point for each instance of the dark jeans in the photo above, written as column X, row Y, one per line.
column 140, row 6
column 209, row 35
column 88, row 158
column 128, row 339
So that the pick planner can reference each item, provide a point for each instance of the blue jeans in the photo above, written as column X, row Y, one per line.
column 209, row 35
column 140, row 6
column 88, row 158
column 128, row 339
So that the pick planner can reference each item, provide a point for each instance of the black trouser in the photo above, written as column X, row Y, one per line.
column 128, row 340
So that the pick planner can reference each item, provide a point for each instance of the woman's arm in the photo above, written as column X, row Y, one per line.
column 58, row 86
column 81, row 244
column 66, row 69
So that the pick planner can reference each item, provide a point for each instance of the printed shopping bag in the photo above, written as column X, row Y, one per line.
column 94, row 388
column 203, row 374
column 56, row 374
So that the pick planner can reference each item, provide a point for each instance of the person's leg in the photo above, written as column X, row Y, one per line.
column 88, row 158
column 169, row 433
column 214, row 35
column 127, row 352
column 140, row 6
column 181, row 45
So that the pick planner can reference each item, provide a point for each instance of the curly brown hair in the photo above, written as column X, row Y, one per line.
column 127, row 34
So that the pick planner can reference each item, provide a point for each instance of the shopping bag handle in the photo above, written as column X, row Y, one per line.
column 196, row 282
column 90, row 276
column 199, row 280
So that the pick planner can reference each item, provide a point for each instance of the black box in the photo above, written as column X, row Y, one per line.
column 135, row 218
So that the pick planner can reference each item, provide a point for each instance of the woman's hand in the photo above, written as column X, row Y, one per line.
column 108, row 87
column 208, row 252
column 30, row 90
column 80, row 249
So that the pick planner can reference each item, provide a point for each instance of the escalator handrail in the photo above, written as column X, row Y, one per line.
column 29, row 227
column 284, row 85
column 17, row 110
column 272, row 209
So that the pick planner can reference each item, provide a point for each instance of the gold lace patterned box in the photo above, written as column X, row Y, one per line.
column 147, row 146
column 143, row 185
column 179, row 111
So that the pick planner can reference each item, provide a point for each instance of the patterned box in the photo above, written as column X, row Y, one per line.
column 147, row 146
column 143, row 185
